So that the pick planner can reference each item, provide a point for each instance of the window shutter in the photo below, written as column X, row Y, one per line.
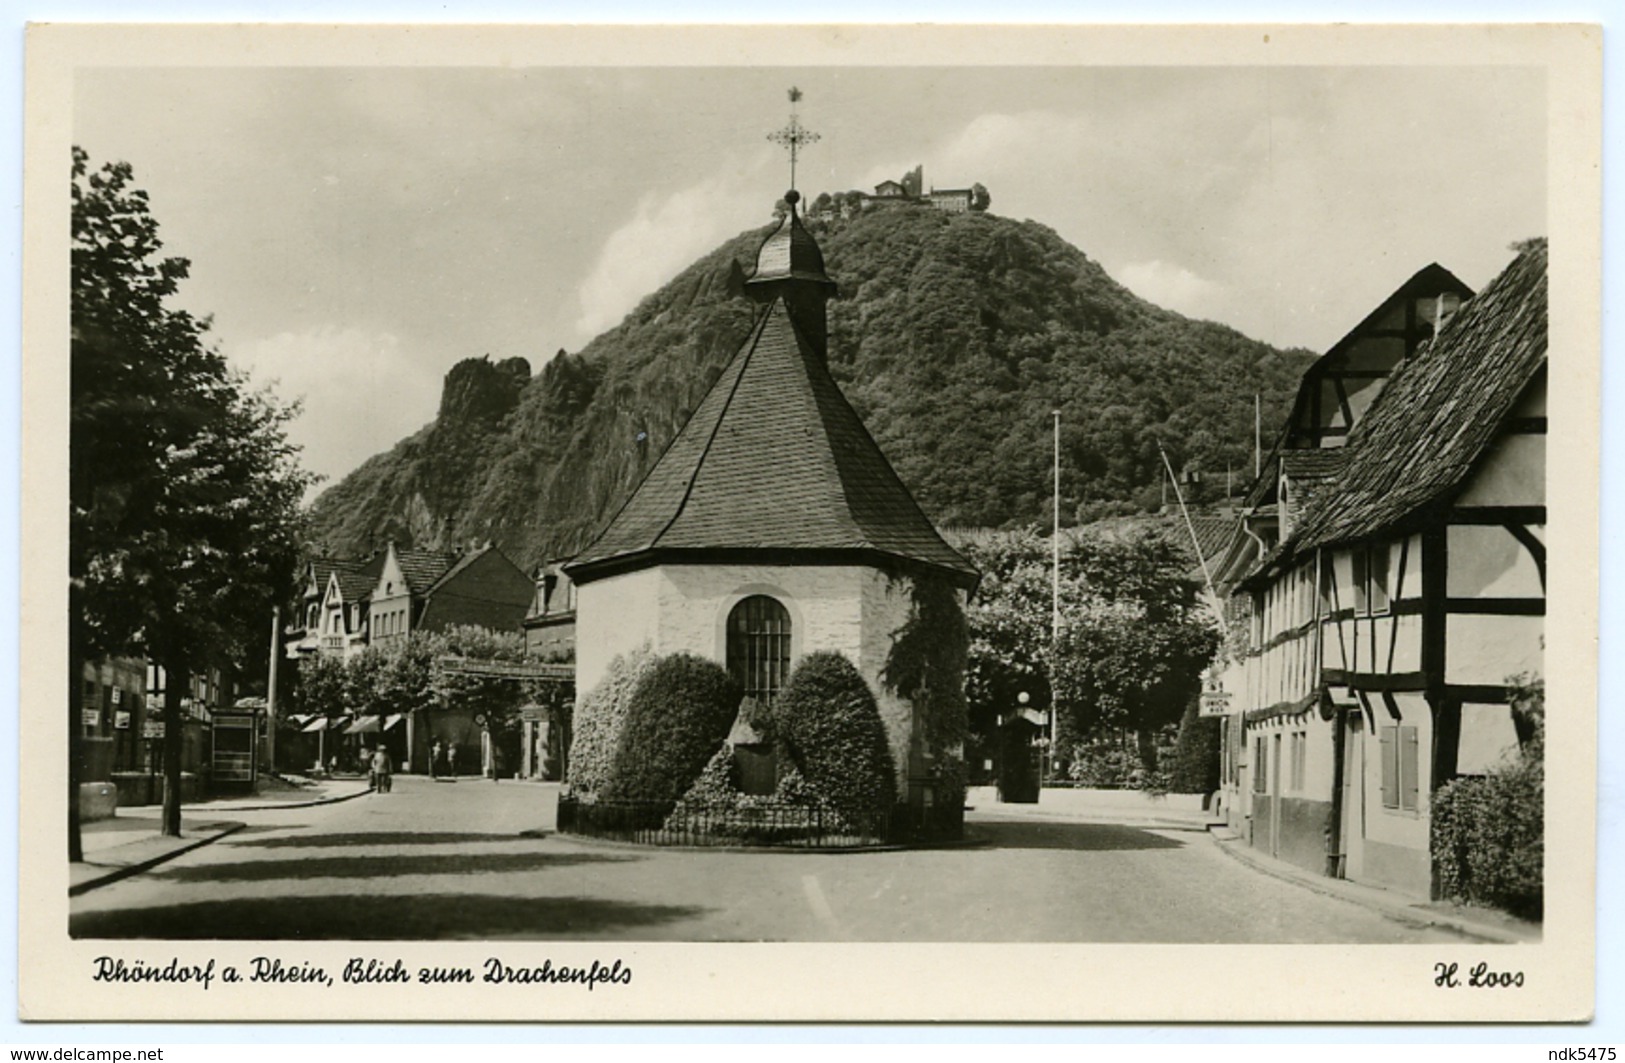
column 1390, row 773
column 1409, row 761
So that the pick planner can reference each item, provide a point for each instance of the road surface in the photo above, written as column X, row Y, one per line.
column 475, row 860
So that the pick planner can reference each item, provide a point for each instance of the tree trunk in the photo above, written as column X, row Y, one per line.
column 1146, row 738
column 76, row 667
column 176, row 681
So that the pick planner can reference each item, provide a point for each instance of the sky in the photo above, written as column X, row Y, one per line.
column 354, row 232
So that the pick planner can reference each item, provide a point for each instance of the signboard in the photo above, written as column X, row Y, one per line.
column 152, row 729
column 1215, row 703
column 121, row 720
column 118, row 694
column 91, row 717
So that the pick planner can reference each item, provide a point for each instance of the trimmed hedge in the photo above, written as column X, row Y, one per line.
column 1196, row 755
column 599, row 719
column 679, row 712
column 1488, row 834
column 830, row 726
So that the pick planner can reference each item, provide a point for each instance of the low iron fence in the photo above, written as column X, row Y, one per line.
column 764, row 824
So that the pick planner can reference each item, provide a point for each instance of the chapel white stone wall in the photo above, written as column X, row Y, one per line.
column 854, row 610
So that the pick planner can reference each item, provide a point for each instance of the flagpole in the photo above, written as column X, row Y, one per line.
column 1055, row 596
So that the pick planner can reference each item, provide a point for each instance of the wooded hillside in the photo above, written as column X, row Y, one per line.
column 954, row 336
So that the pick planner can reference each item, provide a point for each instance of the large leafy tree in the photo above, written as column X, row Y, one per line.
column 184, row 489
column 1131, row 647
column 497, row 698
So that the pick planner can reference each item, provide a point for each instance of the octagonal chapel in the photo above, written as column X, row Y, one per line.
column 772, row 526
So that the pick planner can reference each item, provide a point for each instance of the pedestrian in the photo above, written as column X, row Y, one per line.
column 451, row 761
column 382, row 769
column 434, row 760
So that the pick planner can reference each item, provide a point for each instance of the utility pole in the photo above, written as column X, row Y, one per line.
column 1258, row 435
column 270, row 685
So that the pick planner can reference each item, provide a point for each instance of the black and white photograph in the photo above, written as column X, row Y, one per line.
column 507, row 503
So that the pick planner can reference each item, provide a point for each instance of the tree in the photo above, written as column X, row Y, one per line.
column 498, row 699
column 1133, row 646
column 184, row 490
column 979, row 198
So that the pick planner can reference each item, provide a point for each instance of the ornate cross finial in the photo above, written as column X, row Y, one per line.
column 793, row 136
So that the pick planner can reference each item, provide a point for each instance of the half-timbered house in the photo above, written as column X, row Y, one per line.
column 1407, row 586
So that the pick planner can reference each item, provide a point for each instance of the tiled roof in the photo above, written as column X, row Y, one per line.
column 422, row 568
column 462, row 562
column 320, row 569
column 358, row 578
column 1440, row 410
column 774, row 459
column 1310, row 472
column 1314, row 464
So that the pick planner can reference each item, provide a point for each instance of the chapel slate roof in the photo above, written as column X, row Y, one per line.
column 774, row 459
column 1440, row 410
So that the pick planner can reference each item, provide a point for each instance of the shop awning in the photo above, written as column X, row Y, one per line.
column 363, row 725
column 393, row 720
column 318, row 724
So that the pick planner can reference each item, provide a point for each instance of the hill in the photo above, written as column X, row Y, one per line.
column 954, row 336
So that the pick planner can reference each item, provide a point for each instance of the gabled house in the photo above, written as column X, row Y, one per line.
column 343, row 620
column 1406, row 586
column 302, row 633
column 431, row 590
column 550, row 626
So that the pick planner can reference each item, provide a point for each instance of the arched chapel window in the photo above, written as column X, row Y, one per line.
column 759, row 646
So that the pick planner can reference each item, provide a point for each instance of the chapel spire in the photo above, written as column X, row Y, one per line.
column 789, row 264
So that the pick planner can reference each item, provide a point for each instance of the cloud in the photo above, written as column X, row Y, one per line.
column 665, row 234
column 1173, row 287
column 360, row 392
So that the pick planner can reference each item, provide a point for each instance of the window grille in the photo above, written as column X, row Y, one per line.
column 759, row 647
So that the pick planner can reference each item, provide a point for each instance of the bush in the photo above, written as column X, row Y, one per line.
column 717, row 785
column 1111, row 761
column 679, row 713
column 1196, row 755
column 795, row 813
column 599, row 719
column 926, row 666
column 1488, row 836
column 829, row 723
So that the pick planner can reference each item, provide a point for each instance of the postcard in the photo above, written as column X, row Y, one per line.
column 810, row 523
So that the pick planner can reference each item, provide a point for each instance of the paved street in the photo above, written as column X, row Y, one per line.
column 469, row 860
